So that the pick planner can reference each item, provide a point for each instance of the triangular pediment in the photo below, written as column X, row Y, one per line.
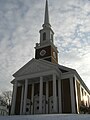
column 34, row 66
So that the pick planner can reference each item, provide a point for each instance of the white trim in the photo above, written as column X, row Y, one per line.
column 49, row 72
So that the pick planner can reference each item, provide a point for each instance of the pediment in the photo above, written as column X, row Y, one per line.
column 33, row 66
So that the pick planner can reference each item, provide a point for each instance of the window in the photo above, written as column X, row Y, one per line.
column 44, row 36
column 52, row 37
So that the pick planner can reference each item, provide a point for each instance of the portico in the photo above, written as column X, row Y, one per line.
column 41, row 100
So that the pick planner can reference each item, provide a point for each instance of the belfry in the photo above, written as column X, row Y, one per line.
column 42, row 86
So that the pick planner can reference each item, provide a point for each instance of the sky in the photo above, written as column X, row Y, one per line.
column 20, row 22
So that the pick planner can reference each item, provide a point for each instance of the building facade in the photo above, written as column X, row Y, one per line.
column 42, row 86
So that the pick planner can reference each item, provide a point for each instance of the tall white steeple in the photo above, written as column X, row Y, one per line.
column 46, row 49
column 46, row 18
column 46, row 34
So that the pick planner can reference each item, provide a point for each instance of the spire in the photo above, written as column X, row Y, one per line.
column 46, row 19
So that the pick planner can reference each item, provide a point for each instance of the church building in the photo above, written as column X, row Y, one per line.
column 42, row 86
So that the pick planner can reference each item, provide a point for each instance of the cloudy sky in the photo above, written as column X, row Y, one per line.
column 20, row 22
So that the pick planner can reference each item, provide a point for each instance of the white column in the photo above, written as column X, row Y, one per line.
column 22, row 94
column 40, row 94
column 47, row 102
column 76, row 95
column 72, row 95
column 32, row 98
column 14, row 98
column 25, row 96
column 54, row 94
column 59, row 96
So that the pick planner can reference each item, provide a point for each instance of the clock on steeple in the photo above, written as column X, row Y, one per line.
column 46, row 49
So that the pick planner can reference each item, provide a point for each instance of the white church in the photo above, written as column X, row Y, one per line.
column 42, row 86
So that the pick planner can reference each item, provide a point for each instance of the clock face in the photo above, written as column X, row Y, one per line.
column 43, row 52
column 54, row 55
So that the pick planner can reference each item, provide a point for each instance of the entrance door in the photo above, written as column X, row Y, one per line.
column 28, row 107
column 51, row 104
column 36, row 104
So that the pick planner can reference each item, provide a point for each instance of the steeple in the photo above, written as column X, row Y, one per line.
column 46, row 18
column 46, row 49
column 46, row 34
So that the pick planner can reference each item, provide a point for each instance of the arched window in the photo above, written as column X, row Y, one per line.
column 44, row 36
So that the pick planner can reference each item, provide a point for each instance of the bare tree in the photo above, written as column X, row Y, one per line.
column 6, row 97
